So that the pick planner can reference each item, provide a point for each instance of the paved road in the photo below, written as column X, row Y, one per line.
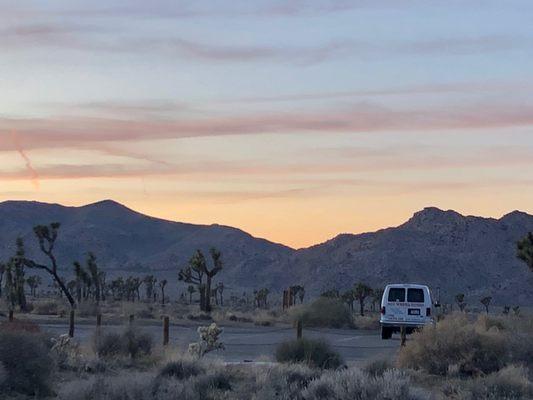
column 255, row 343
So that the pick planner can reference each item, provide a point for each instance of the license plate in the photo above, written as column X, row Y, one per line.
column 414, row 311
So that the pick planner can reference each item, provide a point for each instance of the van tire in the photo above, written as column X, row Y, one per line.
column 386, row 333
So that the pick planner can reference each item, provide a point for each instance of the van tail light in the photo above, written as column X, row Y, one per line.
column 428, row 312
column 383, row 310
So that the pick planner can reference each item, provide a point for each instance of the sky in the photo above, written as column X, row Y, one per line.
column 294, row 121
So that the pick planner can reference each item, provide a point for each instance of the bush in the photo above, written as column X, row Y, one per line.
column 355, row 384
column 284, row 381
column 181, row 369
column 377, row 368
column 87, row 309
column 314, row 353
column 49, row 307
column 326, row 312
column 456, row 346
column 509, row 383
column 130, row 342
column 26, row 363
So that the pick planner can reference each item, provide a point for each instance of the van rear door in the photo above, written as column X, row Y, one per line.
column 395, row 309
column 415, row 305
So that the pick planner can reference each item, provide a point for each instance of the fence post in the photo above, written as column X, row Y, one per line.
column 71, row 323
column 132, row 317
column 165, row 330
column 299, row 328
column 402, row 335
column 98, row 320
column 10, row 315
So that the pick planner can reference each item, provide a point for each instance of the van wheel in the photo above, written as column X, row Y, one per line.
column 386, row 333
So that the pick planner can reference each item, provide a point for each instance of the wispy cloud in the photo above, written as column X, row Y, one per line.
column 362, row 117
column 94, row 38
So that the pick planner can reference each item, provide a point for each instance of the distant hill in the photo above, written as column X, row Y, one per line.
column 472, row 255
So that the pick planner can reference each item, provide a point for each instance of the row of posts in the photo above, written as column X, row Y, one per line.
column 166, row 325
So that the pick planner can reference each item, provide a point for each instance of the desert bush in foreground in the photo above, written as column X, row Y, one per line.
column 455, row 346
column 128, row 343
column 182, row 369
column 325, row 312
column 314, row 353
column 284, row 381
column 355, row 384
column 26, row 363
column 50, row 307
column 509, row 383
column 378, row 367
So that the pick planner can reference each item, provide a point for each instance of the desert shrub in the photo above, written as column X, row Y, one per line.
column 146, row 313
column 181, row 369
column 49, row 307
column 108, row 344
column 18, row 325
column 509, row 383
column 137, row 343
column 367, row 322
column 325, row 312
column 199, row 317
column 217, row 381
column 355, row 384
column 378, row 367
column 128, row 343
column 26, row 362
column 284, row 381
column 87, row 309
column 456, row 345
column 123, row 387
column 314, row 353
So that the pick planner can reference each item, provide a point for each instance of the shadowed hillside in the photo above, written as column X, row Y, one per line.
column 472, row 255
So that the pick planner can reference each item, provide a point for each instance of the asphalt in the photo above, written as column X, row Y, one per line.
column 255, row 343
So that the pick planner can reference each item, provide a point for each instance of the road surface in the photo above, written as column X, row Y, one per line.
column 254, row 343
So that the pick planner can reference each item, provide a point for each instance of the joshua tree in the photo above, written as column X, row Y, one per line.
column 348, row 298
column 92, row 267
column 195, row 272
column 191, row 291
column 149, row 285
column 162, row 285
column 14, row 277
column 460, row 300
column 525, row 250
column 361, row 292
column 261, row 297
column 377, row 294
column 47, row 236
column 33, row 283
column 516, row 310
column 486, row 302
column 297, row 291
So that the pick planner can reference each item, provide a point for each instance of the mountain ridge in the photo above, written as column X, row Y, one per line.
column 443, row 248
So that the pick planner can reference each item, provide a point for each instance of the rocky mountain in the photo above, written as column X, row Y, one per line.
column 444, row 249
column 471, row 255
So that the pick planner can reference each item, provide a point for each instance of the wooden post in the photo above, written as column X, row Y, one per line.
column 165, row 330
column 71, row 323
column 132, row 317
column 11, row 316
column 402, row 335
column 299, row 328
column 98, row 321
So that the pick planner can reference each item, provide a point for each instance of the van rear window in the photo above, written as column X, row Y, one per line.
column 396, row 294
column 415, row 295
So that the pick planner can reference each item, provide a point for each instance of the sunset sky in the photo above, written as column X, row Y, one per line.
column 294, row 121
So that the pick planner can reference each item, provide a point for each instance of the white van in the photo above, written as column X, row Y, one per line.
column 405, row 305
